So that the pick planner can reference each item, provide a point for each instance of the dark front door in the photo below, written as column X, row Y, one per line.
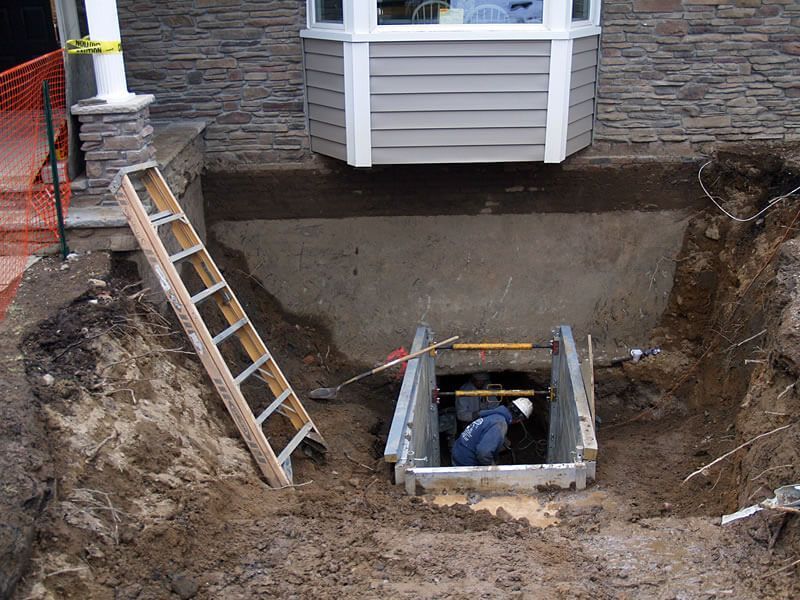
column 26, row 31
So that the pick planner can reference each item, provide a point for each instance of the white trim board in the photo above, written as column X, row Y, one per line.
column 357, row 104
column 411, row 34
column 555, row 146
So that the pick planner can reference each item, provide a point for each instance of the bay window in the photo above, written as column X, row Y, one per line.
column 450, row 81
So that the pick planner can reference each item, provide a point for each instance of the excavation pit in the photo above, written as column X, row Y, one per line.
column 557, row 446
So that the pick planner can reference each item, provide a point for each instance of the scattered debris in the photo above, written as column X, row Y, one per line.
column 786, row 499
column 704, row 469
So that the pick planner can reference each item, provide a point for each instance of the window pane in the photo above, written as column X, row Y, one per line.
column 328, row 11
column 456, row 12
column 580, row 10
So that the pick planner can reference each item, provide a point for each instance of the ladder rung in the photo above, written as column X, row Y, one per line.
column 200, row 296
column 185, row 253
column 168, row 219
column 286, row 452
column 275, row 404
column 224, row 335
column 160, row 215
column 251, row 369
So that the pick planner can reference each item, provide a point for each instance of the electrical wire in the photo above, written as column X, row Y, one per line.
column 770, row 204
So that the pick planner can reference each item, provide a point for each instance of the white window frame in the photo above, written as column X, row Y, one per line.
column 361, row 25
column 311, row 17
column 590, row 20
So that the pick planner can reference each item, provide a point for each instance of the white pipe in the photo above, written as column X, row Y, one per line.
column 109, row 69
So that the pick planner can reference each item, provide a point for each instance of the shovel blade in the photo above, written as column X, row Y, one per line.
column 324, row 393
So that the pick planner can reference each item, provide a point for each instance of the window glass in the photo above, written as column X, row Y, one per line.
column 328, row 11
column 580, row 10
column 457, row 12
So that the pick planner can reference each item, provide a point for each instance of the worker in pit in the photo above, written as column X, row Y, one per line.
column 469, row 407
column 484, row 438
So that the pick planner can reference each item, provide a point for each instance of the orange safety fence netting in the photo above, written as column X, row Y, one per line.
column 28, row 219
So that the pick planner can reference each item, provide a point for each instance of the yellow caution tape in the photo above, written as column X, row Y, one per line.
column 87, row 46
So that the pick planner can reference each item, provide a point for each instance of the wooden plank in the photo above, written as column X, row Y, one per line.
column 504, row 478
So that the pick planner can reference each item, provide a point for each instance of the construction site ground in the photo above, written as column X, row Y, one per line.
column 124, row 478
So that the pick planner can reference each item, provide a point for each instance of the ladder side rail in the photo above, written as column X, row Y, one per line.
column 231, row 308
column 199, row 335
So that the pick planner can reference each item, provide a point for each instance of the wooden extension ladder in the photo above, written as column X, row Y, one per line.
column 276, row 468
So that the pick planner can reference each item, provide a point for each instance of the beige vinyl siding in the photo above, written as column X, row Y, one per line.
column 479, row 101
column 582, row 93
column 324, row 71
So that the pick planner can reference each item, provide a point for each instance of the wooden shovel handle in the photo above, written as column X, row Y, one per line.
column 397, row 361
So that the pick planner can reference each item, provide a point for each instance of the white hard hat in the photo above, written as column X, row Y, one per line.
column 524, row 405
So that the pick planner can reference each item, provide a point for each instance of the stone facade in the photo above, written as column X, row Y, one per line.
column 675, row 75
column 678, row 76
column 235, row 63
column 112, row 136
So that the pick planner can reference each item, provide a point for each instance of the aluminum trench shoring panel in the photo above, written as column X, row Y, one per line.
column 572, row 434
column 415, row 415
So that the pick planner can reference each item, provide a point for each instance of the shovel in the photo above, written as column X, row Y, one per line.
column 330, row 393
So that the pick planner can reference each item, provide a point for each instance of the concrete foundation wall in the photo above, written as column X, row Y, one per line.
column 485, row 277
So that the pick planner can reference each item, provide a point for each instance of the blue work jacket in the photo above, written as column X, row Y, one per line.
column 483, row 439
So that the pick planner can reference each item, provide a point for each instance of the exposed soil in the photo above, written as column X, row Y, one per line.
column 153, row 495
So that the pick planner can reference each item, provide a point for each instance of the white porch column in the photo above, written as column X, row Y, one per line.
column 109, row 69
column 558, row 17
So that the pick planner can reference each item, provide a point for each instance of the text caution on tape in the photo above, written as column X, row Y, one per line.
column 87, row 46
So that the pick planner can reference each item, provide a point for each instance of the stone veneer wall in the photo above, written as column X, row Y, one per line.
column 677, row 75
column 235, row 63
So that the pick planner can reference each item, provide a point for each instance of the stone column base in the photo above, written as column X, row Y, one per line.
column 114, row 135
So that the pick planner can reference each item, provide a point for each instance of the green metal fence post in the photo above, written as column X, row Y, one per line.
column 48, row 117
